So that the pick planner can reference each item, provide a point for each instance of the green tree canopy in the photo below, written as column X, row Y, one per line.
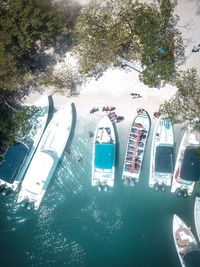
column 184, row 107
column 25, row 27
column 131, row 30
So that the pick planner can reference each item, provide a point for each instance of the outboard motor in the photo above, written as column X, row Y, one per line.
column 105, row 188
column 99, row 187
column 127, row 181
column 179, row 192
column 163, row 187
column 132, row 182
column 29, row 205
column 156, row 187
column 24, row 203
column 185, row 193
column 5, row 190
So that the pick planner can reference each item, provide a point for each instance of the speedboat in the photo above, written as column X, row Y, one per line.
column 103, row 155
column 15, row 160
column 197, row 216
column 135, row 149
column 187, row 168
column 46, row 158
column 185, row 243
column 162, row 155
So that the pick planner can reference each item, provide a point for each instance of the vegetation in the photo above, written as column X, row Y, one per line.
column 15, row 120
column 131, row 30
column 184, row 107
column 28, row 28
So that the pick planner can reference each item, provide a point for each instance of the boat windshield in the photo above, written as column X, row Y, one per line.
column 192, row 258
column 12, row 162
column 164, row 159
column 190, row 169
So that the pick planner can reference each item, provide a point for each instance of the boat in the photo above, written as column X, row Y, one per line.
column 103, row 155
column 187, row 168
column 185, row 243
column 197, row 216
column 162, row 155
column 15, row 160
column 46, row 158
column 135, row 148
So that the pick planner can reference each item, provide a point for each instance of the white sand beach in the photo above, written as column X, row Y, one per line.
column 115, row 86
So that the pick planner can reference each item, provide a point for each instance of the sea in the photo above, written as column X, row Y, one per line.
column 79, row 226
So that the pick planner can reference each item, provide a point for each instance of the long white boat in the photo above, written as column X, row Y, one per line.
column 185, row 243
column 187, row 168
column 197, row 216
column 14, row 162
column 103, row 155
column 162, row 155
column 46, row 158
column 135, row 149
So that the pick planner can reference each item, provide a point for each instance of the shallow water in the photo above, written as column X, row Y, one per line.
column 78, row 226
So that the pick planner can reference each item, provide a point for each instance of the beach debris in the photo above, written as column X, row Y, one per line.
column 156, row 114
column 196, row 48
column 134, row 95
column 140, row 110
column 93, row 110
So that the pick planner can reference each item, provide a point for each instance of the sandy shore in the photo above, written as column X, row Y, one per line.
column 115, row 86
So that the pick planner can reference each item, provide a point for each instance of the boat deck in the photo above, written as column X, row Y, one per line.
column 183, row 237
column 135, row 148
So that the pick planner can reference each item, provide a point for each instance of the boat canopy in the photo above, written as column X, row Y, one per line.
column 164, row 159
column 190, row 169
column 192, row 259
column 12, row 162
column 104, row 156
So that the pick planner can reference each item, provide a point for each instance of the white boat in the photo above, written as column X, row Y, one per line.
column 103, row 155
column 185, row 243
column 46, row 158
column 15, row 160
column 197, row 216
column 135, row 149
column 187, row 168
column 162, row 155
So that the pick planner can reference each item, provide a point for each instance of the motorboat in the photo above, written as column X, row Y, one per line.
column 135, row 148
column 185, row 243
column 162, row 155
column 197, row 216
column 46, row 158
column 103, row 155
column 15, row 160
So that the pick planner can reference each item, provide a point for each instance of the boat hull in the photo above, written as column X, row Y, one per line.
column 197, row 216
column 46, row 158
column 162, row 155
column 135, row 148
column 103, row 154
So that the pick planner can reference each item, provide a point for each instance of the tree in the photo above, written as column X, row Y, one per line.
column 131, row 30
column 184, row 107
column 27, row 26
column 15, row 121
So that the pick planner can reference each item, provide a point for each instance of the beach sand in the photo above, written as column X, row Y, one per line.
column 115, row 86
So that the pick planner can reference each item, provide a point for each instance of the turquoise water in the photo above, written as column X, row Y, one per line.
column 79, row 226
